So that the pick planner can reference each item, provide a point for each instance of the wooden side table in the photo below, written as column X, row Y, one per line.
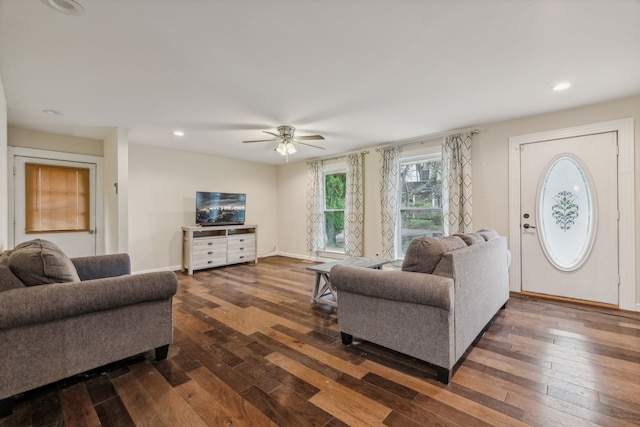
column 323, row 292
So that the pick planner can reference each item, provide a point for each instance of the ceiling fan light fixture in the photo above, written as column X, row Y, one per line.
column 291, row 149
column 282, row 149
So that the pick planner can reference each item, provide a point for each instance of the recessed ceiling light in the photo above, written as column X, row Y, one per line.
column 562, row 86
column 178, row 133
column 53, row 112
column 68, row 7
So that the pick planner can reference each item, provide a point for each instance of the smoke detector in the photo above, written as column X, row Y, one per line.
column 68, row 7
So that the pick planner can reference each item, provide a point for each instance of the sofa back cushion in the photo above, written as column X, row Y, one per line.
column 471, row 238
column 424, row 253
column 488, row 234
column 8, row 280
column 39, row 262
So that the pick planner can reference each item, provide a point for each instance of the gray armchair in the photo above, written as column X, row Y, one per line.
column 53, row 331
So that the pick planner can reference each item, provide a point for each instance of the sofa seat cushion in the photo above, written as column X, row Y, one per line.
column 39, row 262
column 424, row 253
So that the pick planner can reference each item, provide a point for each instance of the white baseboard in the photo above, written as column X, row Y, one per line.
column 638, row 307
column 153, row 270
column 305, row 257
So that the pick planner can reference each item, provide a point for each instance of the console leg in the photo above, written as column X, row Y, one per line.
column 6, row 407
column 162, row 352
column 346, row 338
column 504, row 306
column 444, row 375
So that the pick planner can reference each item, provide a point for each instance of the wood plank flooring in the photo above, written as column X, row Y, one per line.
column 250, row 350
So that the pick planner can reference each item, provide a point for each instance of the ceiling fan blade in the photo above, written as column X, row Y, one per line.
column 314, row 146
column 261, row 140
column 310, row 137
column 271, row 133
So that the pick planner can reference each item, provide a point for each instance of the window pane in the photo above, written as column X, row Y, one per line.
column 334, row 191
column 421, row 185
column 419, row 223
column 334, row 226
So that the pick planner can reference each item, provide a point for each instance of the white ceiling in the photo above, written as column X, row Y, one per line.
column 359, row 72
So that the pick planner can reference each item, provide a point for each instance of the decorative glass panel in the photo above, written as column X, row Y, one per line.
column 566, row 213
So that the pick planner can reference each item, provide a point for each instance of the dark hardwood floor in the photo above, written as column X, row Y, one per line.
column 250, row 350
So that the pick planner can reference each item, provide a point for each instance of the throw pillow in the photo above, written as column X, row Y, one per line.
column 38, row 262
column 8, row 280
column 471, row 238
column 424, row 253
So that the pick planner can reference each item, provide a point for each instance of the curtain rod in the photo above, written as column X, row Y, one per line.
column 424, row 140
column 326, row 159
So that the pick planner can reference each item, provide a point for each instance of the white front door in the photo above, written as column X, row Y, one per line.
column 569, row 217
column 74, row 243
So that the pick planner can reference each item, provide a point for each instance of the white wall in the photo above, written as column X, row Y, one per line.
column 490, row 175
column 116, row 202
column 4, row 189
column 162, row 189
column 28, row 138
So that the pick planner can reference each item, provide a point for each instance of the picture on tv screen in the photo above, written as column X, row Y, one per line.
column 220, row 208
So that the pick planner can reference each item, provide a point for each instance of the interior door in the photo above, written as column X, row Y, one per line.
column 569, row 217
column 73, row 243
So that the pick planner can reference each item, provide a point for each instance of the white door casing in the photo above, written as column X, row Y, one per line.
column 625, row 196
column 76, row 243
column 569, row 234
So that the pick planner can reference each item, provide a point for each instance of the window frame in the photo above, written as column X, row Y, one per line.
column 336, row 170
column 413, row 159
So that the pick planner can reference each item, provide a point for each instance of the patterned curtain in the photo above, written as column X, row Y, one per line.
column 456, row 184
column 389, row 198
column 354, row 206
column 315, row 207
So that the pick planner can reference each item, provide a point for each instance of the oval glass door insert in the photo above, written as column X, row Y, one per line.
column 566, row 213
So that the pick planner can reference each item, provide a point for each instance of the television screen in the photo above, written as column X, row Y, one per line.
column 214, row 208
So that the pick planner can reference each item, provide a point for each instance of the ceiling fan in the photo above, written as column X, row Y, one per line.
column 287, row 140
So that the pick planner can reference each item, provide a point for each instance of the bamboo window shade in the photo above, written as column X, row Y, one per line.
column 57, row 198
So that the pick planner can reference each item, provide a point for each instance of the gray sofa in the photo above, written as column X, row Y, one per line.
column 55, row 330
column 435, row 307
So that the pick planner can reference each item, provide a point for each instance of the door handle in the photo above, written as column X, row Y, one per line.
column 528, row 226
column 91, row 231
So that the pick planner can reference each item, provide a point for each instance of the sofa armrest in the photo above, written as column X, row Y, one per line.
column 45, row 303
column 100, row 266
column 405, row 286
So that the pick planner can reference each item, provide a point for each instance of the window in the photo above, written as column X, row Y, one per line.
column 57, row 198
column 334, row 195
column 420, row 200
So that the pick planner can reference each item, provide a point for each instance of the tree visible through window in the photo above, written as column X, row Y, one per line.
column 57, row 198
column 334, row 195
column 420, row 200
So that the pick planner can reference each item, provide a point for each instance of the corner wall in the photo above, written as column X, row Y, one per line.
column 162, row 190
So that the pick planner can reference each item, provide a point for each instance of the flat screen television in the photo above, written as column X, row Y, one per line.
column 213, row 208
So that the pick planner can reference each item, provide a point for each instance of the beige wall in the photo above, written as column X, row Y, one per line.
column 162, row 189
column 490, row 176
column 4, row 189
column 26, row 138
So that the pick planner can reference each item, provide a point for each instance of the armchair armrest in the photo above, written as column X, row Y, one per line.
column 405, row 286
column 100, row 266
column 45, row 303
